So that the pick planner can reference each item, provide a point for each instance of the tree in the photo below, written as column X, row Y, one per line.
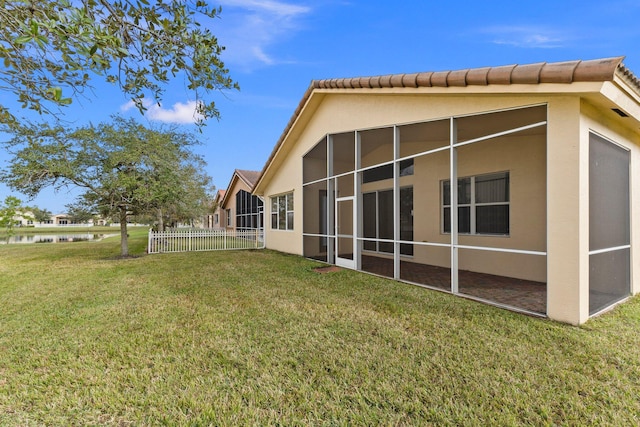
column 8, row 211
column 173, row 207
column 51, row 48
column 123, row 167
column 40, row 215
column 78, row 213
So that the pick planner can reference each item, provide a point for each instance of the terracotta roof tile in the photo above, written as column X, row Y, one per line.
column 527, row 74
column 541, row 72
column 423, row 79
column 440, row 78
column 558, row 72
column 500, row 75
column 385, row 81
column 478, row 76
column 457, row 78
column 396, row 80
column 597, row 70
column 410, row 80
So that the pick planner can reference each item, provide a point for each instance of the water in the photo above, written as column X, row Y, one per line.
column 54, row 238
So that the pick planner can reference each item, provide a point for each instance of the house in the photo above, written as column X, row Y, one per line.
column 237, row 208
column 65, row 220
column 544, row 159
column 216, row 219
column 23, row 219
column 61, row 219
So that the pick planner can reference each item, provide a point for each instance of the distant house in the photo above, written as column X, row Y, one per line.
column 238, row 208
column 513, row 185
column 60, row 219
column 214, row 220
column 64, row 220
column 27, row 219
column 24, row 219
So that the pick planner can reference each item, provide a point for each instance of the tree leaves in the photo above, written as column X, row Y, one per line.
column 138, row 45
column 8, row 211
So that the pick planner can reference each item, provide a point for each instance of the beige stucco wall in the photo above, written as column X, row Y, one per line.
column 567, row 243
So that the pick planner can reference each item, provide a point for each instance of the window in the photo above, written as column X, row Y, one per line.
column 216, row 220
column 483, row 204
column 228, row 213
column 282, row 212
column 377, row 221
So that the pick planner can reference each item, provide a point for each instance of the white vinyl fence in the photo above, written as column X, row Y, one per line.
column 189, row 240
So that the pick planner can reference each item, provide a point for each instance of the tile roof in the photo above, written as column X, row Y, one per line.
column 541, row 72
column 250, row 177
column 595, row 70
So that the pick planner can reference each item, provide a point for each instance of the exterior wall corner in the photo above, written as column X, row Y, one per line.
column 567, row 213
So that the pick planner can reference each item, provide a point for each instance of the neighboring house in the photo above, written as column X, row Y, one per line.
column 238, row 208
column 60, row 219
column 24, row 219
column 63, row 220
column 215, row 220
column 546, row 164
column 27, row 219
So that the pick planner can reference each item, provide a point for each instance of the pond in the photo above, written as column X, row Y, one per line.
column 54, row 238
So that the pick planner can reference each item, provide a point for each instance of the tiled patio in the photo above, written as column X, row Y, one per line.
column 517, row 293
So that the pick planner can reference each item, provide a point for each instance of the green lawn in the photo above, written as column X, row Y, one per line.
column 259, row 338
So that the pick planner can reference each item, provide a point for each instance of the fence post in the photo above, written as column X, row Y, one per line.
column 189, row 240
column 149, row 241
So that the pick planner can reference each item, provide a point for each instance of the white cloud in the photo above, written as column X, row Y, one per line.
column 180, row 113
column 275, row 7
column 528, row 36
column 251, row 30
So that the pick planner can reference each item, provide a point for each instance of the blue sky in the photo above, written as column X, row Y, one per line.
column 275, row 48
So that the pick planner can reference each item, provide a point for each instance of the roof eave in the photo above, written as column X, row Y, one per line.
column 302, row 106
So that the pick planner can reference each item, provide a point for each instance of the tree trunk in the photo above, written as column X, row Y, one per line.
column 160, row 221
column 124, row 238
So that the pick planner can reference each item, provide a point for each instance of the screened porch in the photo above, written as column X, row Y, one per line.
column 381, row 201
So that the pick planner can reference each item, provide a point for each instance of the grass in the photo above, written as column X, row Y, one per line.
column 259, row 338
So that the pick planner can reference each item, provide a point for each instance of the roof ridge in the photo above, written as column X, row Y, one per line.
column 536, row 73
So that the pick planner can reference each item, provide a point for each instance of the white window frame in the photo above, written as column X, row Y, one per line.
column 473, row 205
column 275, row 211
column 228, row 213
